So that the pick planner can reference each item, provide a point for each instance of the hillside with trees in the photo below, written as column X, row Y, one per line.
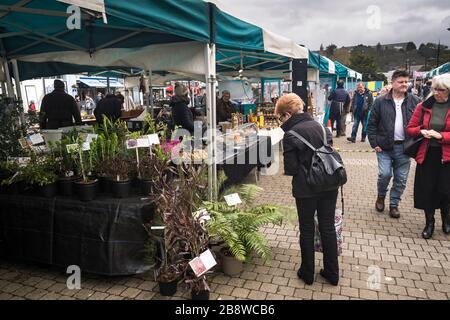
column 375, row 60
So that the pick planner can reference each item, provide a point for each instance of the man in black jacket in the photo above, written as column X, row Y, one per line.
column 110, row 107
column 340, row 102
column 390, row 116
column 181, row 114
column 58, row 108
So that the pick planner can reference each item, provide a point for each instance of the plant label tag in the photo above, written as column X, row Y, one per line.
column 157, row 228
column 86, row 146
column 143, row 143
column 36, row 139
column 153, row 138
column 233, row 199
column 132, row 144
column 200, row 265
column 72, row 148
column 91, row 136
column 22, row 161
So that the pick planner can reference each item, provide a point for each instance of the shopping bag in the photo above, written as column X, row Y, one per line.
column 338, row 223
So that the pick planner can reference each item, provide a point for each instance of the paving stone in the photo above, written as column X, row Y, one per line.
column 240, row 293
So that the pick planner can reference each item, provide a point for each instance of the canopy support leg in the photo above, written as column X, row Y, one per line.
column 210, row 77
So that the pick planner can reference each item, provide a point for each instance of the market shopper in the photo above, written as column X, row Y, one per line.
column 340, row 102
column 58, row 109
column 361, row 105
column 431, row 120
column 389, row 118
column 110, row 107
column 298, row 157
column 224, row 107
column 181, row 114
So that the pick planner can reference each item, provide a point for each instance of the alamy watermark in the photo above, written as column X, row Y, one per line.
column 374, row 278
column 374, row 20
column 74, row 280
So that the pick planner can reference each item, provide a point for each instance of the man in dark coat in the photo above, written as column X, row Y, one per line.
column 110, row 107
column 387, row 124
column 224, row 107
column 340, row 102
column 58, row 109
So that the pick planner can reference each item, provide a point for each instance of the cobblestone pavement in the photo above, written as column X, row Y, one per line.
column 410, row 267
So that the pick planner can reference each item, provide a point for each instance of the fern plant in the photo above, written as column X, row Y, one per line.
column 239, row 226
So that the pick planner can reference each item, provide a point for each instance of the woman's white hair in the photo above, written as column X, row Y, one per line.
column 442, row 81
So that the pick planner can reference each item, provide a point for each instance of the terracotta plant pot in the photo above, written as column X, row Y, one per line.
column 86, row 191
column 230, row 265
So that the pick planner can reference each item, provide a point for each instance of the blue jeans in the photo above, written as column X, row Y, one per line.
column 396, row 162
column 357, row 120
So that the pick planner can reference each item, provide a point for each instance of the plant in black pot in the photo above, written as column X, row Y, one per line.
column 176, row 202
column 41, row 175
column 120, row 176
column 65, row 164
column 11, row 177
column 86, row 188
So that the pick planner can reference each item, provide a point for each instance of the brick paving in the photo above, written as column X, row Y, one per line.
column 411, row 267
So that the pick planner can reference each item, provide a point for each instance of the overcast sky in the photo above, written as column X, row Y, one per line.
column 346, row 23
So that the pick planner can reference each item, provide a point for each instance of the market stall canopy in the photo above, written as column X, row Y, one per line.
column 100, row 82
column 445, row 68
column 345, row 72
column 149, row 34
column 321, row 63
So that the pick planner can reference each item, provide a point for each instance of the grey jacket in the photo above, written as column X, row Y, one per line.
column 368, row 101
column 382, row 120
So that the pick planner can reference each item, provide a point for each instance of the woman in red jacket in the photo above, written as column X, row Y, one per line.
column 432, row 181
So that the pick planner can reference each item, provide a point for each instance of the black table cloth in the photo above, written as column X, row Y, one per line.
column 104, row 236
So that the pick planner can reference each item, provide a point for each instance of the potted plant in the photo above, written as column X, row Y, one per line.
column 11, row 180
column 238, row 227
column 40, row 173
column 65, row 164
column 119, row 172
column 86, row 187
column 185, row 233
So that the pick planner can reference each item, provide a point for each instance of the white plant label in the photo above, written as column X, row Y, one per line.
column 36, row 139
column 233, row 199
column 143, row 143
column 201, row 265
column 91, row 136
column 153, row 138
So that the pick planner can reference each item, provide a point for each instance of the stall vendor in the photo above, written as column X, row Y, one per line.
column 224, row 107
column 110, row 107
column 58, row 109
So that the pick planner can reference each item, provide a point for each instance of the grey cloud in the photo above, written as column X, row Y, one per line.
column 344, row 23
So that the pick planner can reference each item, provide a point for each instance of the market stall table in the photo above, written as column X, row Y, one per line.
column 104, row 236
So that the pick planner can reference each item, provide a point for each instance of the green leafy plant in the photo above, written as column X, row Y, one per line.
column 239, row 226
column 40, row 171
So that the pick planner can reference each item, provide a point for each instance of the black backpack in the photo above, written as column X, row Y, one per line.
column 327, row 170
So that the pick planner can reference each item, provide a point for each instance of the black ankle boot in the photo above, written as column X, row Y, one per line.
column 427, row 233
column 445, row 221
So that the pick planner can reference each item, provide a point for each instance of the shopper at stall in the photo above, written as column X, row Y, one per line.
column 297, row 158
column 340, row 102
column 361, row 105
column 431, row 120
column 181, row 114
column 120, row 97
column 58, row 109
column 110, row 107
column 224, row 107
column 389, row 117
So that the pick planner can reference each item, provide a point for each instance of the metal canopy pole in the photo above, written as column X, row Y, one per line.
column 210, row 78
column 17, row 79
column 150, row 98
column 107, row 86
